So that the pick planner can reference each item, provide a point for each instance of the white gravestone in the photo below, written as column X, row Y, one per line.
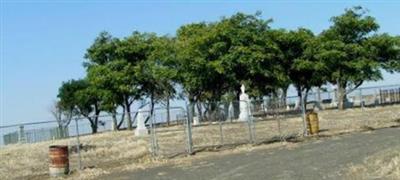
column 244, row 105
column 141, row 129
column 196, row 121
column 297, row 104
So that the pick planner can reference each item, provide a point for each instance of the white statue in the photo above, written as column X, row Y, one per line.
column 244, row 105
column 141, row 129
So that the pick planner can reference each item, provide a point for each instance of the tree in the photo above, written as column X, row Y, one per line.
column 116, row 80
column 83, row 98
column 386, row 50
column 216, row 58
column 165, row 55
column 353, row 52
column 111, row 65
column 299, row 64
column 155, row 74
column 134, row 50
column 62, row 116
column 102, row 51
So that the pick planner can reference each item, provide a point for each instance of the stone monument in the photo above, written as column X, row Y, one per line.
column 196, row 121
column 244, row 105
column 297, row 104
column 141, row 129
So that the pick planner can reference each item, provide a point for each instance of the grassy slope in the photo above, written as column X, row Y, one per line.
column 109, row 151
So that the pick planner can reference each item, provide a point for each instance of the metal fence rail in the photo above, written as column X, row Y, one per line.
column 209, row 127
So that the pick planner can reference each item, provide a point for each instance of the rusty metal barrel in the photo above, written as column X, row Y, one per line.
column 59, row 161
column 313, row 123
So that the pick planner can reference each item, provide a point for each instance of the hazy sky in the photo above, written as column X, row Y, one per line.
column 43, row 42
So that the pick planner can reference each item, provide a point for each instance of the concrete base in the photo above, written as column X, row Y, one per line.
column 243, row 117
column 141, row 132
column 58, row 171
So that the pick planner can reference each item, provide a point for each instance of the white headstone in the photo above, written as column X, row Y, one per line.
column 113, row 126
column 244, row 105
column 141, row 129
column 297, row 104
column 196, row 121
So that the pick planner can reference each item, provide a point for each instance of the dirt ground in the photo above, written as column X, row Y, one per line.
column 384, row 164
column 108, row 152
column 315, row 158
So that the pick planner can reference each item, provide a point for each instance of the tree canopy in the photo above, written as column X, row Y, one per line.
column 210, row 60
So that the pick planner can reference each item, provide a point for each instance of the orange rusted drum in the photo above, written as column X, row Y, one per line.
column 313, row 123
column 59, row 161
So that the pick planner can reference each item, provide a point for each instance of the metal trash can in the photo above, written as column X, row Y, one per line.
column 59, row 160
column 312, row 123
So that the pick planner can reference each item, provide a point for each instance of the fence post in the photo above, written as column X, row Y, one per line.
column 152, row 136
column 217, row 115
column 221, row 138
column 250, row 123
column 156, row 148
column 21, row 134
column 361, row 99
column 78, row 145
column 303, row 112
column 189, row 129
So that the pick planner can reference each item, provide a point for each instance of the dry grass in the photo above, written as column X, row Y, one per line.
column 118, row 151
column 99, row 151
column 383, row 165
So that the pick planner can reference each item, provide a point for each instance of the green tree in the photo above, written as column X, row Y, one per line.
column 116, row 80
column 386, row 50
column 216, row 58
column 298, row 63
column 156, row 74
column 164, row 55
column 353, row 52
column 83, row 98
column 111, row 66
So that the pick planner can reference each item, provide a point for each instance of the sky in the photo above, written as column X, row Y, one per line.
column 42, row 43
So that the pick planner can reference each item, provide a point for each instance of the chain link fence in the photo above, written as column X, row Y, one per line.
column 203, row 127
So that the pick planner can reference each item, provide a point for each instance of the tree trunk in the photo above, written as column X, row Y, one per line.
column 122, row 118
column 199, row 111
column 128, row 114
column 226, row 111
column 341, row 95
column 236, row 105
column 114, row 121
column 303, row 110
column 94, row 128
column 96, row 118
column 284, row 96
column 168, row 113
column 152, row 109
column 93, row 125
column 212, row 111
